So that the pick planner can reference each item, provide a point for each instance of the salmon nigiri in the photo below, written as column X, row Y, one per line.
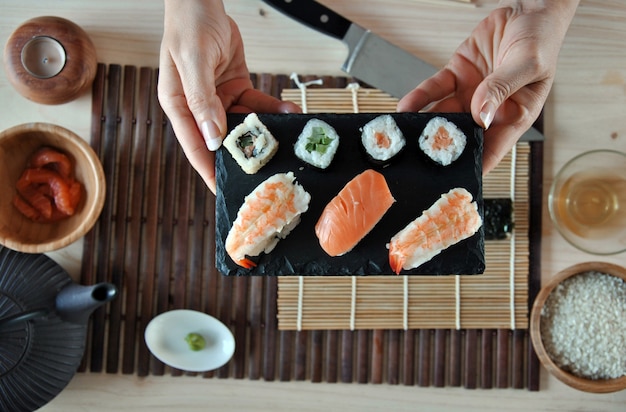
column 269, row 213
column 449, row 220
column 353, row 213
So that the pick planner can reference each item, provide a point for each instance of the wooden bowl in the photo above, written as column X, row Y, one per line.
column 17, row 144
column 583, row 384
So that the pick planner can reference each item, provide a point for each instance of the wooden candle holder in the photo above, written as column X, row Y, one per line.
column 75, row 77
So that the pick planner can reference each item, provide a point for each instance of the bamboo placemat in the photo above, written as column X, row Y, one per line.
column 496, row 299
column 155, row 241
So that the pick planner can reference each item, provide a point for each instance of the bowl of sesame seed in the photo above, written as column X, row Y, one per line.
column 578, row 327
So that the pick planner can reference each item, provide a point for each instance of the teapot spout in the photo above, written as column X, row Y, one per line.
column 75, row 303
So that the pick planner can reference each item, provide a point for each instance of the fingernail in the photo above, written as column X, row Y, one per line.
column 211, row 135
column 487, row 113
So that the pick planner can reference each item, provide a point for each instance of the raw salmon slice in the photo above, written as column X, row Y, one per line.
column 353, row 213
column 64, row 199
column 50, row 158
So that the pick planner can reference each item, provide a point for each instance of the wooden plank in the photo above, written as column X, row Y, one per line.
column 471, row 359
column 88, row 266
column 301, row 355
column 347, row 356
column 362, row 369
column 439, row 376
column 126, row 269
column 408, row 359
column 331, row 354
column 486, row 359
column 166, row 237
column 502, row 358
column 424, row 356
column 255, row 351
column 317, row 355
column 378, row 353
column 393, row 356
column 142, row 247
column 455, row 360
column 240, row 325
column 103, row 266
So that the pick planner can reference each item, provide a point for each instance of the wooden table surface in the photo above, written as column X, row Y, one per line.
column 586, row 110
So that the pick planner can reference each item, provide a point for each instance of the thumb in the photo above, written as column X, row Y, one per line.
column 207, row 109
column 497, row 87
column 211, row 118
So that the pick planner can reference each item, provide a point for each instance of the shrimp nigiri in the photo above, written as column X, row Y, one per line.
column 269, row 213
column 449, row 220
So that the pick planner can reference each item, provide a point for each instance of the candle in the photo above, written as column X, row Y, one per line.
column 50, row 60
column 43, row 57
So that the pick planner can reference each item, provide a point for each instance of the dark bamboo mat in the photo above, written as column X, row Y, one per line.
column 155, row 241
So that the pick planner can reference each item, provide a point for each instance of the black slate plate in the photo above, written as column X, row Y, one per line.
column 415, row 181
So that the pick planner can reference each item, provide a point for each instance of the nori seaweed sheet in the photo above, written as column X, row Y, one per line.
column 498, row 219
column 414, row 180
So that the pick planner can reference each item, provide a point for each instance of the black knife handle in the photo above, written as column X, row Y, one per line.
column 314, row 15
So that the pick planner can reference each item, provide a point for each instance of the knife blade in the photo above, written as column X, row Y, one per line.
column 371, row 58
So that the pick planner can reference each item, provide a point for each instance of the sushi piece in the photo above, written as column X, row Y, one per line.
column 269, row 213
column 317, row 144
column 442, row 141
column 353, row 213
column 251, row 144
column 449, row 220
column 382, row 139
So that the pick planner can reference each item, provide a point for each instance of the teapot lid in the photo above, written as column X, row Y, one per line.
column 38, row 358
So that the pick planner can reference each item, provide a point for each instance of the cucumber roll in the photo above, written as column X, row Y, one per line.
column 317, row 144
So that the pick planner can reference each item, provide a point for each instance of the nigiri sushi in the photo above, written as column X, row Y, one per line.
column 251, row 144
column 452, row 218
column 269, row 213
column 317, row 143
column 382, row 139
column 353, row 213
column 442, row 141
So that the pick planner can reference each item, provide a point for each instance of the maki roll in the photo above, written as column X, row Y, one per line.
column 382, row 139
column 317, row 144
column 442, row 141
column 251, row 144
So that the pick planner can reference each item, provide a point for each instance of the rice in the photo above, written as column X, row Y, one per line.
column 251, row 144
column 442, row 141
column 317, row 143
column 583, row 325
column 382, row 139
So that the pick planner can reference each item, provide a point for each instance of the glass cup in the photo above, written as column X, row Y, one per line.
column 587, row 202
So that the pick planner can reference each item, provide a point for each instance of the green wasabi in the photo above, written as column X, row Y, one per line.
column 195, row 341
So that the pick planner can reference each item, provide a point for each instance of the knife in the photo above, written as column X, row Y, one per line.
column 371, row 58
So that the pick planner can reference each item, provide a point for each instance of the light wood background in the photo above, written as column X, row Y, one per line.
column 586, row 109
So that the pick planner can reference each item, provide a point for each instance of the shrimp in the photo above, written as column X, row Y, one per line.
column 449, row 220
column 267, row 215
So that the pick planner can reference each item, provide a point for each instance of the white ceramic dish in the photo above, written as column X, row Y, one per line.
column 165, row 337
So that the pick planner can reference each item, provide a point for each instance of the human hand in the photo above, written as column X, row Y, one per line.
column 202, row 75
column 502, row 73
